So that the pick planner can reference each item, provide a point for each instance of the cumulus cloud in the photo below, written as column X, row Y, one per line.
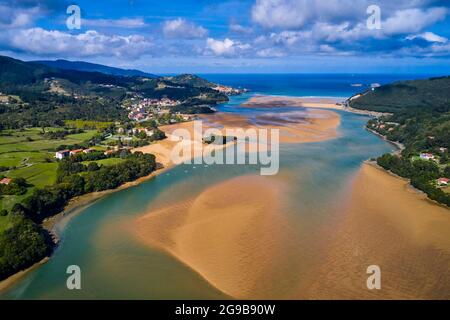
column 90, row 43
column 181, row 28
column 226, row 47
column 413, row 20
column 339, row 26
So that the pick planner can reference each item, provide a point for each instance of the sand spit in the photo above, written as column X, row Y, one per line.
column 294, row 127
column 233, row 234
column 286, row 101
column 389, row 224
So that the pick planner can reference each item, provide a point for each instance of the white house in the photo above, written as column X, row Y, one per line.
column 426, row 156
column 443, row 182
column 62, row 154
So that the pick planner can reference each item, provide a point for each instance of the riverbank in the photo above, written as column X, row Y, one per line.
column 399, row 230
column 341, row 104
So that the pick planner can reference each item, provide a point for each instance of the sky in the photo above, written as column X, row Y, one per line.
column 234, row 36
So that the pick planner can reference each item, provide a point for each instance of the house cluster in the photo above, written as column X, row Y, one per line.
column 388, row 126
column 5, row 181
column 116, row 149
column 430, row 156
column 70, row 153
column 145, row 109
column 443, row 182
column 427, row 156
column 4, row 98
column 228, row 90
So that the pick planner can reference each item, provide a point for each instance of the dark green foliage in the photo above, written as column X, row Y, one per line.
column 157, row 135
column 3, row 213
column 68, row 167
column 48, row 201
column 88, row 95
column 92, row 166
column 21, row 246
column 45, row 202
column 187, row 109
column 17, row 187
column 429, row 94
column 421, row 173
column 137, row 165
column 420, row 120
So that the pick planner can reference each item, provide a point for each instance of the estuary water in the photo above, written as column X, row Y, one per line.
column 115, row 265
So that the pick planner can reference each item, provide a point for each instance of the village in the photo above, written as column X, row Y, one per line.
column 435, row 153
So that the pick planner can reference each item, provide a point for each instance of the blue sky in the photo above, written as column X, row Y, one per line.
column 247, row 36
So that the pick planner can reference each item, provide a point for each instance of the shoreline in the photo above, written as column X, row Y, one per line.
column 76, row 205
column 73, row 208
column 333, row 103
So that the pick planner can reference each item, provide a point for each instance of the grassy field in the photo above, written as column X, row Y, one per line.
column 85, row 124
column 106, row 162
column 4, row 223
column 28, row 154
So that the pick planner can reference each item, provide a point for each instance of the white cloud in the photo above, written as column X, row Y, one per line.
column 17, row 17
column 226, row 47
column 270, row 53
column 112, row 23
column 412, row 20
column 181, row 28
column 428, row 36
column 91, row 43
column 235, row 27
column 294, row 14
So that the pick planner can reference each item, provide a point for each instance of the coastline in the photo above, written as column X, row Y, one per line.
column 74, row 207
column 399, row 230
column 338, row 103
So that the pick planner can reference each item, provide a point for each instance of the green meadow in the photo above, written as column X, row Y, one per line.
column 30, row 155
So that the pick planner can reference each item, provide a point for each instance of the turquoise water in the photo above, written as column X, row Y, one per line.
column 115, row 266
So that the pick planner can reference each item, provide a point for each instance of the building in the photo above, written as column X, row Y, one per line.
column 426, row 156
column 109, row 152
column 5, row 181
column 88, row 150
column 75, row 152
column 62, row 154
column 443, row 182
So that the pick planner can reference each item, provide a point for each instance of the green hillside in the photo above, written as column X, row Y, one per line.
column 32, row 93
column 419, row 119
column 432, row 94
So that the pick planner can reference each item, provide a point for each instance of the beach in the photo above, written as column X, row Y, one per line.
column 241, row 239
column 294, row 127
column 387, row 223
column 263, row 101
column 309, row 232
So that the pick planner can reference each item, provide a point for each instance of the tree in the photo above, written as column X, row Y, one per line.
column 92, row 166
column 22, row 245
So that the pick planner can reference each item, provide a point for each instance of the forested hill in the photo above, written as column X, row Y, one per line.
column 94, row 67
column 433, row 93
column 31, row 93
column 420, row 119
